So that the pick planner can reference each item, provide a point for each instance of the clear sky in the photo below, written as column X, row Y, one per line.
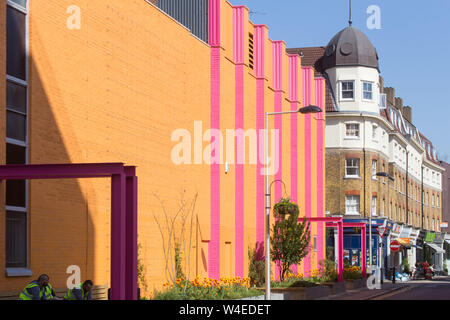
column 413, row 46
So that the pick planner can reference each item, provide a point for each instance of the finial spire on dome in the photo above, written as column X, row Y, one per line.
column 350, row 13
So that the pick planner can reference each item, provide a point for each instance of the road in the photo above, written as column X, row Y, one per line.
column 436, row 289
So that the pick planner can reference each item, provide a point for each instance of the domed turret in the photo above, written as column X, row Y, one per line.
column 350, row 47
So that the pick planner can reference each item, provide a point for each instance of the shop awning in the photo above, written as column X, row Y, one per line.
column 448, row 241
column 435, row 247
column 406, row 242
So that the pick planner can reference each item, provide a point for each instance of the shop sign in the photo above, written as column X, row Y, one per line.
column 429, row 237
column 444, row 224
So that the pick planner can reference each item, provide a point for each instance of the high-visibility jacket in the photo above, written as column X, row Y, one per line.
column 77, row 293
column 33, row 292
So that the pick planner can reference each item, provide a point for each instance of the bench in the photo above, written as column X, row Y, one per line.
column 99, row 292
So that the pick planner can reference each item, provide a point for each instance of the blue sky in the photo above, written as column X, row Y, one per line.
column 413, row 45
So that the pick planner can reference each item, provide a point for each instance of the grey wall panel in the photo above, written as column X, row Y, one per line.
column 193, row 14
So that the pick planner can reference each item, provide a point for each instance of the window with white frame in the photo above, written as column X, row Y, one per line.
column 352, row 130
column 367, row 90
column 374, row 169
column 437, row 201
column 347, row 90
column 16, row 132
column 374, row 132
column 374, row 205
column 352, row 205
column 352, row 167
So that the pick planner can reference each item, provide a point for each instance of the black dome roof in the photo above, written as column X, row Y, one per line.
column 350, row 47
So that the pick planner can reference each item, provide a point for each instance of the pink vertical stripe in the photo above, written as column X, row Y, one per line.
column 238, row 28
column 277, row 63
column 307, row 100
column 293, row 96
column 319, row 86
column 260, row 78
column 278, row 87
column 214, row 41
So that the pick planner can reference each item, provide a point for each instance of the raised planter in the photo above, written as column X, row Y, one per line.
column 293, row 293
column 355, row 284
column 335, row 287
column 303, row 293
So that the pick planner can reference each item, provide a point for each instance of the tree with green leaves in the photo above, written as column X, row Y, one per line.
column 290, row 238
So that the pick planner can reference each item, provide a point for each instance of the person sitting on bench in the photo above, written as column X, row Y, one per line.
column 83, row 291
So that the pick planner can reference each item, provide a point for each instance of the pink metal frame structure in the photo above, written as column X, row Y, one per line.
column 338, row 222
column 123, row 213
column 333, row 222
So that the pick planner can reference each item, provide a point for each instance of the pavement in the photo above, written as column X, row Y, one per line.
column 367, row 294
column 415, row 289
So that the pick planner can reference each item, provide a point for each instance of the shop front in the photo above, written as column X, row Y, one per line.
column 352, row 243
column 447, row 252
column 433, row 252
column 394, row 234
column 412, row 253
column 419, row 246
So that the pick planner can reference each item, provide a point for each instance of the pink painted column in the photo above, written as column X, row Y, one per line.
column 118, row 232
column 306, row 72
column 238, row 55
column 214, row 41
column 259, row 46
column 363, row 249
column 340, row 252
column 319, row 90
column 277, row 50
column 277, row 64
column 131, row 281
column 293, row 97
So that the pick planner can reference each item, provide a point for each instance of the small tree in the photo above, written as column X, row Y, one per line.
column 290, row 238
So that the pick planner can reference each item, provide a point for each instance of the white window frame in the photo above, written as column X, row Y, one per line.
column 356, row 205
column 341, row 89
column 374, row 169
column 358, row 129
column 374, row 132
column 374, row 206
column 357, row 176
column 22, row 271
column 363, row 91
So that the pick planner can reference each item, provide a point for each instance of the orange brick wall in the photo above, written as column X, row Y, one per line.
column 114, row 91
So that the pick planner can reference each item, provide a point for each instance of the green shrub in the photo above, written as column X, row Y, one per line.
column 256, row 268
column 329, row 273
column 190, row 290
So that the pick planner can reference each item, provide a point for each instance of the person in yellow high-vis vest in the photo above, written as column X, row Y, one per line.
column 39, row 289
column 83, row 291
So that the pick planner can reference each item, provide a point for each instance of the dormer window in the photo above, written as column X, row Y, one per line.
column 347, row 90
column 367, row 90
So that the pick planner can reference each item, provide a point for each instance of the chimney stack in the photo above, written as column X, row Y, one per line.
column 390, row 94
column 399, row 104
column 407, row 113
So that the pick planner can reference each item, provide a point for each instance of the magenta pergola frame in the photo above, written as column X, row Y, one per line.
column 333, row 222
column 123, row 212
column 338, row 222
column 363, row 227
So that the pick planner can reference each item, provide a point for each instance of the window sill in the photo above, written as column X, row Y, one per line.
column 352, row 177
column 352, row 214
column 351, row 138
column 18, row 272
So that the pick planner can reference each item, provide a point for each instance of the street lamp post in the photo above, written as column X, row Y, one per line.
column 304, row 110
